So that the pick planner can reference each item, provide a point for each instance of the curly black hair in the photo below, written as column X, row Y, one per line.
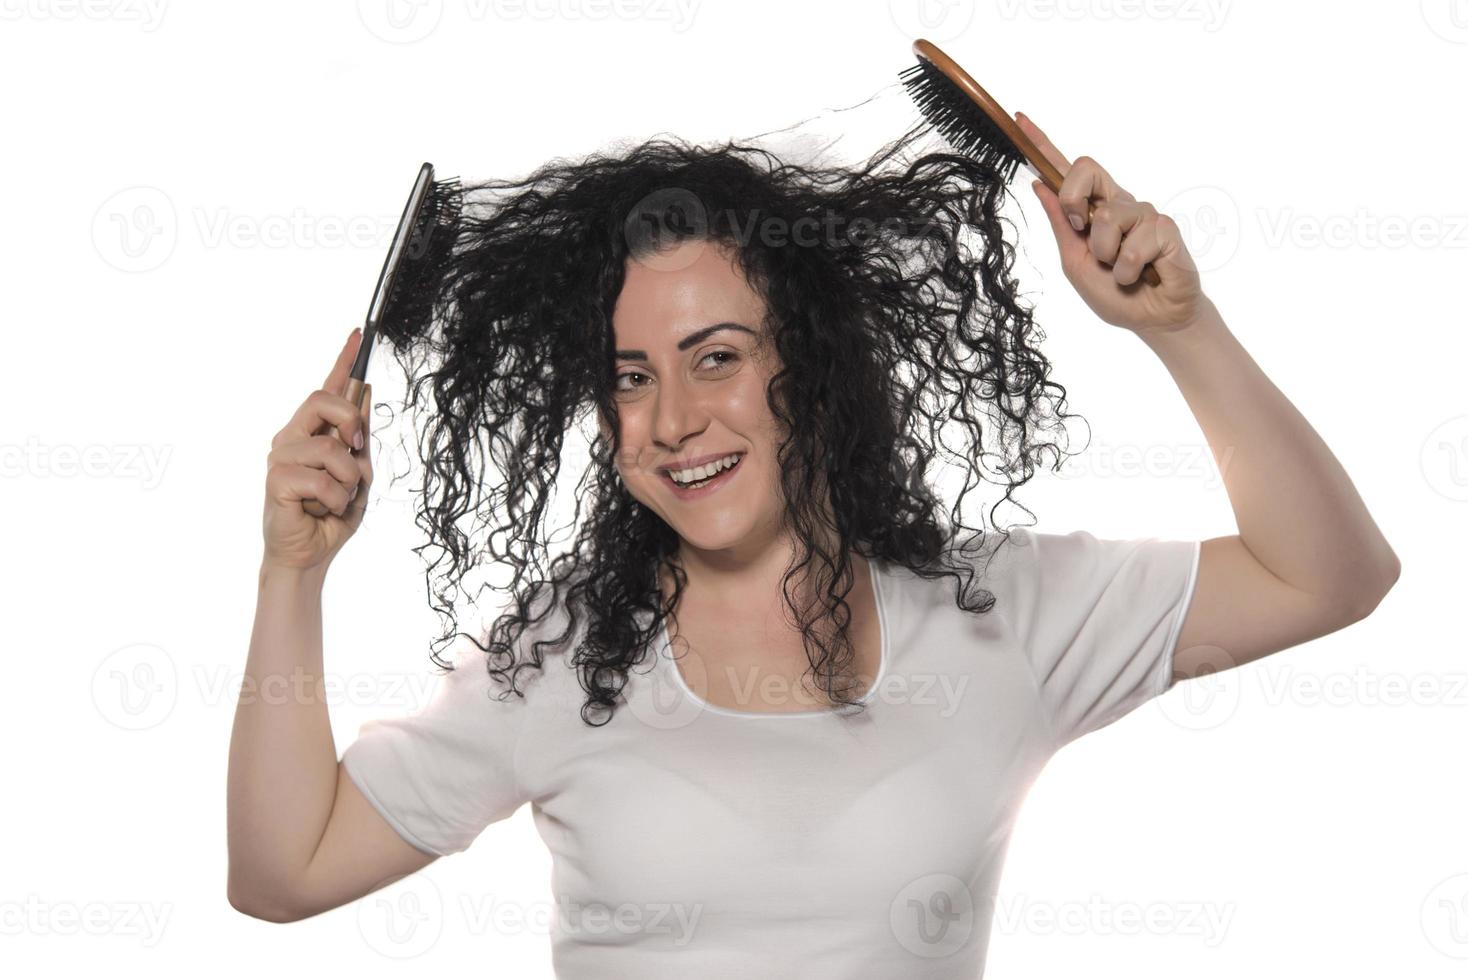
column 898, row 330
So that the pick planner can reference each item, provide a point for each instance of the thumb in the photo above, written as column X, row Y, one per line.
column 366, row 408
column 364, row 457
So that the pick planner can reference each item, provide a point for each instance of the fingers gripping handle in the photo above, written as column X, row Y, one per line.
column 353, row 394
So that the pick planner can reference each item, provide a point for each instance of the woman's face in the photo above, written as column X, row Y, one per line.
column 692, row 363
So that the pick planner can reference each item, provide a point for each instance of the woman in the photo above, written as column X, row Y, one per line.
column 775, row 711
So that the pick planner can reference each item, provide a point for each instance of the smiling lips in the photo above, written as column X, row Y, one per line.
column 698, row 478
column 695, row 473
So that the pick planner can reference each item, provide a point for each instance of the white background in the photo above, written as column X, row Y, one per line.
column 178, row 180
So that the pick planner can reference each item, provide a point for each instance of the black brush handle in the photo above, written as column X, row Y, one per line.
column 402, row 239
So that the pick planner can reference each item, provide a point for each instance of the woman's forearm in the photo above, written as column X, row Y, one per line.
column 282, row 759
column 1296, row 509
column 1297, row 512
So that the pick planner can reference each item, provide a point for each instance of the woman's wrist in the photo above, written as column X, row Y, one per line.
column 277, row 577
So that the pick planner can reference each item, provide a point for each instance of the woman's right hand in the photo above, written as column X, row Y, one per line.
column 307, row 462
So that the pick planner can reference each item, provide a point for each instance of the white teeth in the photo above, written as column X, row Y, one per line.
column 703, row 472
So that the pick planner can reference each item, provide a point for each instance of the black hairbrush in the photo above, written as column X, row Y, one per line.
column 404, row 293
column 976, row 125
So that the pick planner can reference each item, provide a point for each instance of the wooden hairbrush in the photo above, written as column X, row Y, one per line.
column 976, row 125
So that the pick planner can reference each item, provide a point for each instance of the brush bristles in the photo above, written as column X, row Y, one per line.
column 966, row 127
column 415, row 288
column 441, row 210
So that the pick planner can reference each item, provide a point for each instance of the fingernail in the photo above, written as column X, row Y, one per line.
column 1077, row 223
column 357, row 439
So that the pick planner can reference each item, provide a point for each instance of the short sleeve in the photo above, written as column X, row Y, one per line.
column 443, row 774
column 1099, row 619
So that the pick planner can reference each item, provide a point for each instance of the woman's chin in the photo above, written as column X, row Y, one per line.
column 711, row 535
column 717, row 529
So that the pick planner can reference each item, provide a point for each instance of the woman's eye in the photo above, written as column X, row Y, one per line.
column 713, row 359
column 728, row 354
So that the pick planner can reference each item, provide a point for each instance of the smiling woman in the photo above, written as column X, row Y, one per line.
column 779, row 637
column 768, row 404
column 777, row 707
column 698, row 441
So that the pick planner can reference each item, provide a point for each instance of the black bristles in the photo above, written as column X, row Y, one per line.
column 416, row 287
column 966, row 127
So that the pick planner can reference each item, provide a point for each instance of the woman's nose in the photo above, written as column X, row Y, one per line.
column 678, row 415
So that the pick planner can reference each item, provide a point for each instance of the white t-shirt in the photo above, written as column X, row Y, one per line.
column 694, row 841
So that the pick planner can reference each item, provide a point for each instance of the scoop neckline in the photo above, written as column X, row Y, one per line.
column 878, row 597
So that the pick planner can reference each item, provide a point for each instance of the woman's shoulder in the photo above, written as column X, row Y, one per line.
column 986, row 551
column 983, row 559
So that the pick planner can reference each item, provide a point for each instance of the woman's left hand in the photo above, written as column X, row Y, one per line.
column 1105, row 265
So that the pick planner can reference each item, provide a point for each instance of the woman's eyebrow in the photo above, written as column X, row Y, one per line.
column 688, row 341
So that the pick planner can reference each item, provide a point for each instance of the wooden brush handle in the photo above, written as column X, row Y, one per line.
column 353, row 394
column 1038, row 161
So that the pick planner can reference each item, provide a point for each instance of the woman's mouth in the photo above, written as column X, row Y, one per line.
column 707, row 484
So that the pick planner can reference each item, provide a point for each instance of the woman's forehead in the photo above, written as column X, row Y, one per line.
column 667, row 295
